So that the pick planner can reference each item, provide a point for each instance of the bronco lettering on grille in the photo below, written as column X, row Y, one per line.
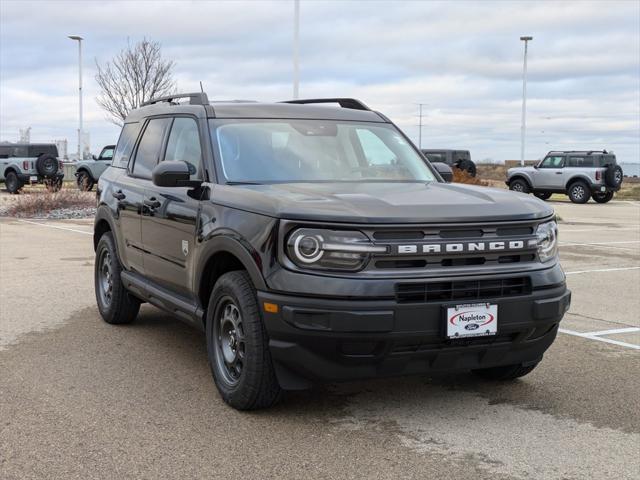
column 467, row 247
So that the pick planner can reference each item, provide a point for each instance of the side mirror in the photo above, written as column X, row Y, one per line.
column 94, row 157
column 173, row 174
column 444, row 170
column 536, row 166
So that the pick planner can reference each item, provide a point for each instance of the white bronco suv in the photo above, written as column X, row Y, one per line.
column 578, row 174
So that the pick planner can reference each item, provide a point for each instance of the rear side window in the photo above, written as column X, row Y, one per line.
column 584, row 162
column 36, row 150
column 125, row 145
column 608, row 160
column 148, row 151
column 184, row 145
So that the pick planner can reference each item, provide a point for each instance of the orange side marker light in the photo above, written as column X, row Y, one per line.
column 270, row 307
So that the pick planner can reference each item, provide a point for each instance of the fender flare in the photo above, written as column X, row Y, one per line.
column 577, row 177
column 104, row 214
column 521, row 176
column 10, row 168
column 232, row 244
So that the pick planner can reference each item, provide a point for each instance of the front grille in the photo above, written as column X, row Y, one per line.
column 462, row 290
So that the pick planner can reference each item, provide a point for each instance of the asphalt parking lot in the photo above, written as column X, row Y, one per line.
column 83, row 399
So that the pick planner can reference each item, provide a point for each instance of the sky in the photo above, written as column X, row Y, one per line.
column 462, row 60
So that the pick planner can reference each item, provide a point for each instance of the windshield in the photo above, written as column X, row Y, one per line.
column 268, row 151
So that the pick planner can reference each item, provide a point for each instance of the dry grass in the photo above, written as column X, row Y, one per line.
column 40, row 202
column 461, row 176
column 491, row 171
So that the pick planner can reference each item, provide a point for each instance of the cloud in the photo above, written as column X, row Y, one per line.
column 462, row 59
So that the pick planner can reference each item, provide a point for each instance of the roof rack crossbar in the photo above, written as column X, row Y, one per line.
column 197, row 98
column 351, row 103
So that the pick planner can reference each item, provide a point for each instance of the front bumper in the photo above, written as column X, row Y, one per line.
column 319, row 340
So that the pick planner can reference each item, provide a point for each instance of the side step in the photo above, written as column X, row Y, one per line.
column 185, row 309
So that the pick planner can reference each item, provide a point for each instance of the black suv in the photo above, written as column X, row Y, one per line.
column 315, row 244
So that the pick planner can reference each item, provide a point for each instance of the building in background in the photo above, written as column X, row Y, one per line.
column 86, row 145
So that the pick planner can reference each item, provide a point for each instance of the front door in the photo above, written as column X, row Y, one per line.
column 170, row 220
column 550, row 173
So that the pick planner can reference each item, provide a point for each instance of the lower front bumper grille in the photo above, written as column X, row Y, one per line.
column 462, row 290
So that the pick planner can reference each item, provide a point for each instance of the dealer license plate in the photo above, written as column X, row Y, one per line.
column 33, row 178
column 472, row 320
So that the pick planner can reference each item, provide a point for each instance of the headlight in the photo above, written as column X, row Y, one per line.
column 547, row 234
column 330, row 249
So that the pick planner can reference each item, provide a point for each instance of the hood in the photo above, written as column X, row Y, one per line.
column 382, row 202
column 521, row 169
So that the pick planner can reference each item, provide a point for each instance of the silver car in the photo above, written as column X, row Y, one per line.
column 26, row 163
column 578, row 174
column 88, row 171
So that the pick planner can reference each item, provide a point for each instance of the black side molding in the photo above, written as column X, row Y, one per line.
column 185, row 309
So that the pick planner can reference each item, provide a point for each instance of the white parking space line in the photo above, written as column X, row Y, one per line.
column 615, row 331
column 55, row 226
column 591, row 336
column 575, row 244
column 567, row 229
column 596, row 270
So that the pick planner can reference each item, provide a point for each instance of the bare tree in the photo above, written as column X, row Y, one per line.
column 137, row 74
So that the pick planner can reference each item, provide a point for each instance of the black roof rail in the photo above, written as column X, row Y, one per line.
column 197, row 98
column 351, row 103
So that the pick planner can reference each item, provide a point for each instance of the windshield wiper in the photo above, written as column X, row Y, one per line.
column 243, row 183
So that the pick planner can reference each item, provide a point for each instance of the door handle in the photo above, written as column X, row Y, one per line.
column 152, row 203
column 119, row 195
column 558, row 173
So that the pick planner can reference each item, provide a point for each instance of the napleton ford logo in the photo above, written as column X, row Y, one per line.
column 466, row 319
column 466, row 247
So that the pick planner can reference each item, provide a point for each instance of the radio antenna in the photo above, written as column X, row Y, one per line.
column 201, row 89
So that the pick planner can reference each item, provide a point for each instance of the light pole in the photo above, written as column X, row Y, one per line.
column 79, row 39
column 420, row 105
column 524, row 99
column 296, row 48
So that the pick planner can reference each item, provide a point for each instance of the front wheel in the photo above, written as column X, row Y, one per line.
column 238, row 346
column 602, row 197
column 115, row 303
column 508, row 372
column 579, row 192
column 519, row 185
column 12, row 183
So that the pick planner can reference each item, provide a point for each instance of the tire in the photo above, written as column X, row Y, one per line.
column 579, row 192
column 85, row 181
column 519, row 185
column 238, row 346
column 53, row 185
column 468, row 166
column 12, row 182
column 508, row 372
column 543, row 195
column 47, row 165
column 613, row 176
column 602, row 197
column 115, row 303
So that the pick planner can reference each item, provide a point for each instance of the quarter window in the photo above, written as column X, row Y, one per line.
column 586, row 161
column 125, row 145
column 184, row 145
column 149, row 148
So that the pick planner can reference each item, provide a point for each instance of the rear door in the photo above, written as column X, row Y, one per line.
column 585, row 165
column 550, row 173
column 131, row 189
column 170, row 218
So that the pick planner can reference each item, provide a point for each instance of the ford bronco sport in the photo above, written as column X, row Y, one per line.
column 316, row 244
column 25, row 163
column 578, row 174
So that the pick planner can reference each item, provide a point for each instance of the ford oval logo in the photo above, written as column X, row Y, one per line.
column 472, row 326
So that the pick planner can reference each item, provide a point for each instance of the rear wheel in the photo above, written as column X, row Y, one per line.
column 84, row 181
column 508, row 372
column 519, row 185
column 579, row 192
column 602, row 197
column 12, row 183
column 115, row 303
column 543, row 195
column 468, row 166
column 238, row 346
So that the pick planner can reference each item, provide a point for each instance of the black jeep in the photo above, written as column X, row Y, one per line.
column 316, row 244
